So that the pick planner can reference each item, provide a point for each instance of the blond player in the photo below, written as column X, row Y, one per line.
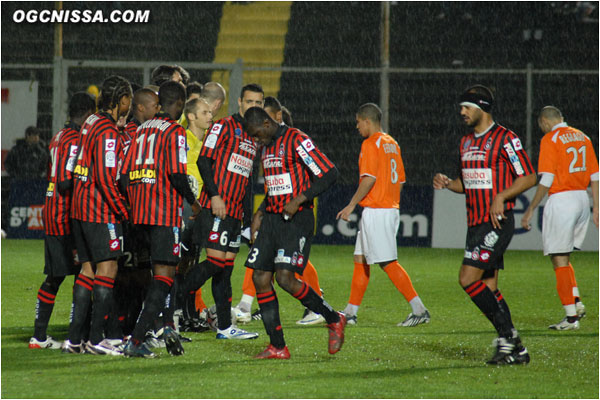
column 381, row 180
column 566, row 165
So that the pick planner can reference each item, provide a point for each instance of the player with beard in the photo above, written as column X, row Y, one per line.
column 493, row 170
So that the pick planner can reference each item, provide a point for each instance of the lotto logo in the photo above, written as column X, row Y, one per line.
column 485, row 256
column 115, row 245
column 213, row 237
column 176, row 249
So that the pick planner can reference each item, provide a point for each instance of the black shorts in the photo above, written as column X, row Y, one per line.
column 60, row 255
column 217, row 234
column 283, row 244
column 486, row 245
column 164, row 242
column 98, row 242
column 136, row 249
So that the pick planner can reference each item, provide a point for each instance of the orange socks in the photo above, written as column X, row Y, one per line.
column 401, row 280
column 565, row 283
column 360, row 281
column 248, row 286
column 199, row 302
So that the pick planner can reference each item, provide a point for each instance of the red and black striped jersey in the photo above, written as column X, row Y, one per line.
column 96, row 197
column 489, row 164
column 289, row 164
column 157, row 150
column 233, row 152
column 128, row 133
column 57, row 207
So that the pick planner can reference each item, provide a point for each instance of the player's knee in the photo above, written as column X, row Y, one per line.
column 54, row 282
column 261, row 279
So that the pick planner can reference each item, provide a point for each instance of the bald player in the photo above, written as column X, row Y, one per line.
column 567, row 165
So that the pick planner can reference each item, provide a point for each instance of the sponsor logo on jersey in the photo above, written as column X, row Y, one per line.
column 488, row 144
column 143, row 175
column 237, row 242
column 211, row 140
column 514, row 159
column 279, row 184
column 248, row 148
column 308, row 145
column 281, row 150
column 216, row 223
column 50, row 189
column 272, row 162
column 72, row 156
column 110, row 159
column 301, row 244
column 477, row 178
column 294, row 258
column 216, row 129
column 176, row 234
column 475, row 254
column 176, row 249
column 517, row 143
column 110, row 145
column 477, row 155
column 182, row 155
column 467, row 254
column 81, row 172
column 240, row 165
column 300, row 260
column 308, row 161
column 90, row 121
column 114, row 244
column 213, row 237
column 237, row 132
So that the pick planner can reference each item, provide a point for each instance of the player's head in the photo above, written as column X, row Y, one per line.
column 171, row 97
column 164, row 73
column 252, row 96
column 215, row 95
column 197, row 111
column 81, row 106
column 259, row 125
column 185, row 76
column 474, row 102
column 273, row 108
column 145, row 104
column 549, row 117
column 193, row 90
column 368, row 119
column 115, row 96
column 32, row 135
column 286, row 116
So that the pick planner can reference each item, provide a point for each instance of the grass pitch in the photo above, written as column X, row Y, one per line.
column 442, row 359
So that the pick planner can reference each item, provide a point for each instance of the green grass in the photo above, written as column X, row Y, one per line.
column 443, row 359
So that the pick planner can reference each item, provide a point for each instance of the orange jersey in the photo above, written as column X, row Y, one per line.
column 569, row 155
column 380, row 158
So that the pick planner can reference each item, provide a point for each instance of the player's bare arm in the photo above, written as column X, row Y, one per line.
column 196, row 208
column 292, row 207
column 520, row 185
column 218, row 207
column 255, row 224
column 540, row 193
column 441, row 181
column 365, row 186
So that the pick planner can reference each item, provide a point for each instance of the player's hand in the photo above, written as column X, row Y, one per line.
column 345, row 213
column 292, row 207
column 595, row 216
column 218, row 207
column 255, row 225
column 440, row 181
column 527, row 219
column 196, row 208
column 497, row 211
column 122, row 121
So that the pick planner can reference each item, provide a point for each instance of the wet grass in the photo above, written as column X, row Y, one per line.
column 443, row 359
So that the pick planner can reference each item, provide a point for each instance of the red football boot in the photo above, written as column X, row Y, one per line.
column 274, row 352
column 336, row 334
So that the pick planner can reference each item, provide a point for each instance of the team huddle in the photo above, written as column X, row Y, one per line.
column 138, row 188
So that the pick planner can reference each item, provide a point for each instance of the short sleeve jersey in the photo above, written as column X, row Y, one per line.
column 489, row 164
column 157, row 151
column 57, row 207
column 380, row 158
column 96, row 197
column 569, row 155
column 233, row 152
column 290, row 163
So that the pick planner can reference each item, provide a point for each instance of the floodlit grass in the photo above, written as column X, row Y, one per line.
column 443, row 359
